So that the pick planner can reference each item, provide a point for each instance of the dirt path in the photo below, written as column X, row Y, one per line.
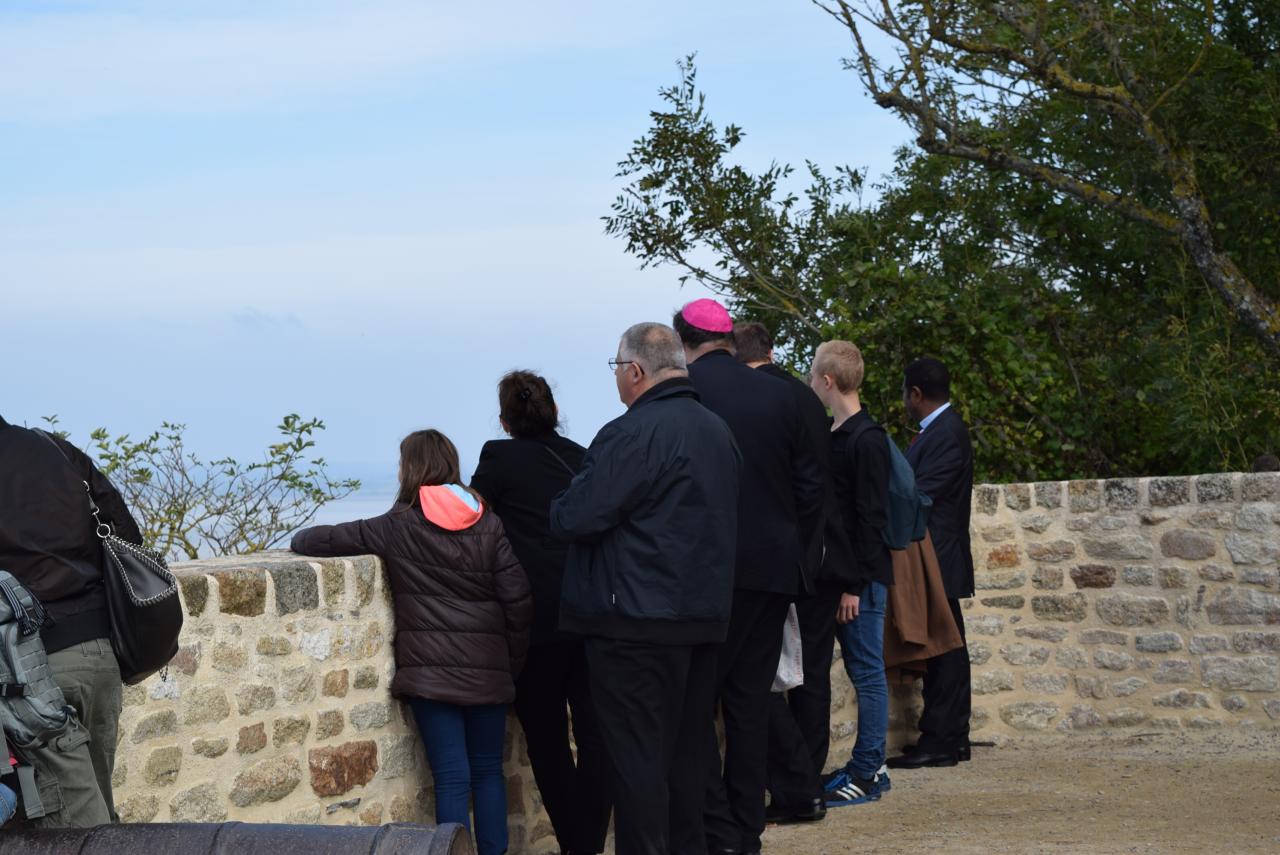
column 1145, row 795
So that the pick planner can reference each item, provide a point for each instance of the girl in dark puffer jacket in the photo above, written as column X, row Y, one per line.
column 463, row 612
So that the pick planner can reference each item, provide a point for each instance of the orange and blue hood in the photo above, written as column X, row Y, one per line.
column 450, row 506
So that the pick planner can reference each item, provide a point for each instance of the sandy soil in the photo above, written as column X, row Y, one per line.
column 1147, row 794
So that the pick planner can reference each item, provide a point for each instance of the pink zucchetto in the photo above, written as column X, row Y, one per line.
column 706, row 314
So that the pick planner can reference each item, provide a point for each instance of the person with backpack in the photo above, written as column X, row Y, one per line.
column 519, row 477
column 462, row 612
column 48, row 543
column 861, row 464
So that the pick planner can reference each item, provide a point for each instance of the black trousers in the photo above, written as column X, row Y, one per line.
column 745, row 667
column 800, row 720
column 948, row 697
column 653, row 702
column 576, row 796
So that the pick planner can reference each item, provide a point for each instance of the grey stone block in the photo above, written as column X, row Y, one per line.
column 1215, row 488
column 1167, row 492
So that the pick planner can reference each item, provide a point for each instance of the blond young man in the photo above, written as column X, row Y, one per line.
column 860, row 464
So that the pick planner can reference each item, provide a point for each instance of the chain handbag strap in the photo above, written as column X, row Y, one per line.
column 103, row 530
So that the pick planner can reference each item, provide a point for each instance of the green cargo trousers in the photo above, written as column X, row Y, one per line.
column 89, row 677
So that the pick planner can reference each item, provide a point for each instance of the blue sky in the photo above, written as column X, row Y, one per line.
column 220, row 212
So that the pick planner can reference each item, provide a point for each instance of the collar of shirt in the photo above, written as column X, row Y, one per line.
column 928, row 420
column 850, row 423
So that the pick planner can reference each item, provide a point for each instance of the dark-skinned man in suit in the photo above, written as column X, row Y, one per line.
column 942, row 457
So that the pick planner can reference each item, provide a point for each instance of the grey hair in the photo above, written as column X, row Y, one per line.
column 656, row 347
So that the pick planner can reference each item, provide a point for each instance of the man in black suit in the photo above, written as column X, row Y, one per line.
column 800, row 720
column 942, row 457
column 780, row 503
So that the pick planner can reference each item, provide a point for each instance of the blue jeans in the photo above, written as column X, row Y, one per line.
column 8, row 799
column 464, row 748
column 862, row 647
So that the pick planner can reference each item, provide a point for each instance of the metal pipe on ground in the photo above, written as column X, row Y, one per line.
column 239, row 838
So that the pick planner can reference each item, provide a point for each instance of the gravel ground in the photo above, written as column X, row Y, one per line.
column 1146, row 794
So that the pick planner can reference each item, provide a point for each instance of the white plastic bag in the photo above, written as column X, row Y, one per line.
column 791, row 663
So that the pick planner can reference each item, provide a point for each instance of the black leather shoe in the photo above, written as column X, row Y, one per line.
column 813, row 811
column 919, row 759
column 964, row 753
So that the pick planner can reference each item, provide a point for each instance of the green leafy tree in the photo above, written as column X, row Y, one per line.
column 1077, row 351
column 191, row 508
column 1165, row 113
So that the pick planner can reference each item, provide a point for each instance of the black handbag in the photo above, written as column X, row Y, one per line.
column 142, row 600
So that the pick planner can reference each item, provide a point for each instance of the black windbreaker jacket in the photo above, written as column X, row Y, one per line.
column 47, row 538
column 652, row 519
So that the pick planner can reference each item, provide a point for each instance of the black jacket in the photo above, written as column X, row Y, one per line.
column 828, row 550
column 519, row 478
column 47, row 538
column 780, row 499
column 942, row 457
column 861, row 467
column 461, row 601
column 652, row 518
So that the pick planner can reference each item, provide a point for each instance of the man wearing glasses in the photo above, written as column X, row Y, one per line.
column 652, row 523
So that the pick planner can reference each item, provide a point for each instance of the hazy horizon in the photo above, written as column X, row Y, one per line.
column 221, row 213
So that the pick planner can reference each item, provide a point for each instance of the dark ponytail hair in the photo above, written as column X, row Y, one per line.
column 526, row 405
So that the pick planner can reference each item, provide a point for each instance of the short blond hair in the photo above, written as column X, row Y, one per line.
column 842, row 362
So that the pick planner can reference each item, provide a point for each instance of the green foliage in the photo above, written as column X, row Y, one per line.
column 191, row 508
column 1082, row 343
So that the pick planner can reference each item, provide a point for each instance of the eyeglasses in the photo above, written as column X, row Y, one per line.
column 614, row 363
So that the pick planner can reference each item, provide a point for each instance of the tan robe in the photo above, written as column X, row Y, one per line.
column 918, row 621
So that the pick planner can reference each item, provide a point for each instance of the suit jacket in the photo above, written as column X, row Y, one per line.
column 828, row 553
column 780, row 494
column 519, row 478
column 942, row 458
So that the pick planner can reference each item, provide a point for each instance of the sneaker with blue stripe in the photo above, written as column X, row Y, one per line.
column 843, row 789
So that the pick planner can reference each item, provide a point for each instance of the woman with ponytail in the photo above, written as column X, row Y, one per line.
column 519, row 477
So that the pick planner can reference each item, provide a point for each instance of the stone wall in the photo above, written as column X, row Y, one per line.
column 1103, row 607
column 276, row 707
